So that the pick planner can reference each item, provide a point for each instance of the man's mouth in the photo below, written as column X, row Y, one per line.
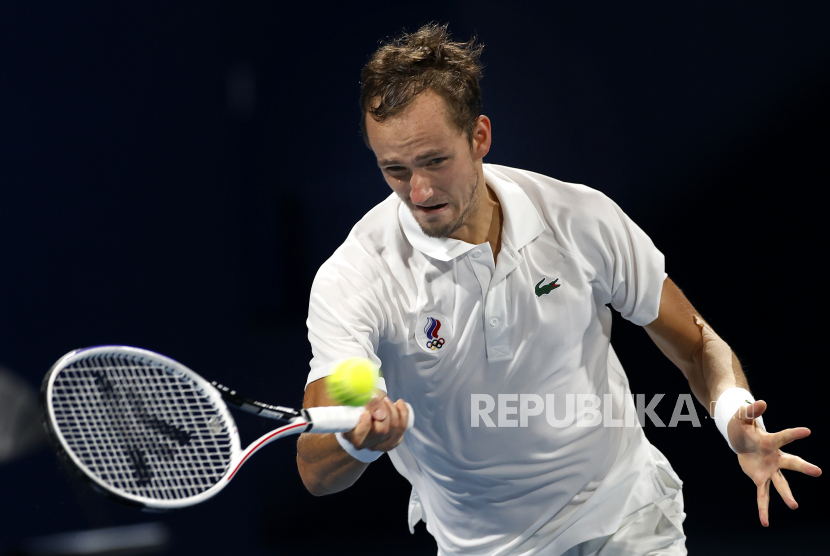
column 433, row 208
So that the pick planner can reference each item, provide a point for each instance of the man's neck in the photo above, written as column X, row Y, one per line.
column 485, row 224
column 496, row 218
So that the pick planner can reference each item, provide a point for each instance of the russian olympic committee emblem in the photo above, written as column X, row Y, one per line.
column 433, row 332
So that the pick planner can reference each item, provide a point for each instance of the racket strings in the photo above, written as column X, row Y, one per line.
column 141, row 427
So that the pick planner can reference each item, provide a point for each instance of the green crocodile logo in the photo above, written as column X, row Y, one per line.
column 547, row 288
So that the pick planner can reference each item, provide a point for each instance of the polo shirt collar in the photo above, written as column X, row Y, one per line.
column 521, row 225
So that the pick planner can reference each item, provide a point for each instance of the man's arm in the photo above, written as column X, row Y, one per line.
column 711, row 367
column 680, row 339
column 324, row 466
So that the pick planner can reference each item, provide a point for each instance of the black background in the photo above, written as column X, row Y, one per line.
column 172, row 174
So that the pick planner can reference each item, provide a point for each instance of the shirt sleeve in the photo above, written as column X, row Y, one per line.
column 344, row 316
column 629, row 267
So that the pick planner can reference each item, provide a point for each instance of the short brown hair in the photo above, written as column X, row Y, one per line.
column 427, row 59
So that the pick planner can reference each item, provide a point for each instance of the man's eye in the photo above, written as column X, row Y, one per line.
column 435, row 161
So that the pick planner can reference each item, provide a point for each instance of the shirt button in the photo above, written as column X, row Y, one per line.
column 476, row 254
column 494, row 321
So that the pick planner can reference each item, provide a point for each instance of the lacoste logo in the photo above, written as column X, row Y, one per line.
column 547, row 288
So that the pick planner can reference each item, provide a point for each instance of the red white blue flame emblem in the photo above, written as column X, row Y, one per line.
column 433, row 332
column 431, row 329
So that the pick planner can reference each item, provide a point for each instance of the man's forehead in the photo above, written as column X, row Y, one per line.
column 396, row 143
column 424, row 127
column 424, row 115
column 425, row 100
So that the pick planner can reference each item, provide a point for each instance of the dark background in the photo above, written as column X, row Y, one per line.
column 172, row 174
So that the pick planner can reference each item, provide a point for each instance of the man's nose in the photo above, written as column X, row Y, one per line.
column 420, row 188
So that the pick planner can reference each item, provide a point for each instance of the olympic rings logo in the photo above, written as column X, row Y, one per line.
column 435, row 344
column 431, row 326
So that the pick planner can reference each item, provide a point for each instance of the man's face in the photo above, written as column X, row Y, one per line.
column 430, row 164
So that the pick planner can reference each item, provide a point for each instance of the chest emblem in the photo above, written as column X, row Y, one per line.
column 547, row 288
column 433, row 332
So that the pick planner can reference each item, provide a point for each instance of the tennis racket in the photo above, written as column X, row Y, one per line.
column 149, row 432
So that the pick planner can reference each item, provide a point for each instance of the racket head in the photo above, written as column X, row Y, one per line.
column 140, row 427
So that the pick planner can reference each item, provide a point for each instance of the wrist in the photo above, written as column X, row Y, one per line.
column 365, row 455
column 728, row 403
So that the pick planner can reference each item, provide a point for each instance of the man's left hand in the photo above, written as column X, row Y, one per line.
column 761, row 458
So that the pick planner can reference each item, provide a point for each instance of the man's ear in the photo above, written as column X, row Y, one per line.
column 482, row 135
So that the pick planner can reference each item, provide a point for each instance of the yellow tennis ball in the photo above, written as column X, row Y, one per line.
column 352, row 381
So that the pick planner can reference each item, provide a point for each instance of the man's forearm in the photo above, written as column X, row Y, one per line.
column 324, row 466
column 715, row 368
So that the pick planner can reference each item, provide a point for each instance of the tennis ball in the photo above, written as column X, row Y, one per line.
column 352, row 381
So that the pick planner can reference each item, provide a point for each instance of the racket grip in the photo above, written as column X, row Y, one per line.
column 342, row 418
column 410, row 422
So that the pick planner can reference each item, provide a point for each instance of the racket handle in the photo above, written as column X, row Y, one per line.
column 342, row 418
column 410, row 422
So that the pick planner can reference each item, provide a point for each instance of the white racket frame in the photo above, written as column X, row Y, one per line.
column 321, row 420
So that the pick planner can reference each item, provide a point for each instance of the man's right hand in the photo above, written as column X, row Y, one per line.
column 324, row 466
column 382, row 425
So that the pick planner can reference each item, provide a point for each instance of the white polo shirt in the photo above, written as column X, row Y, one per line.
column 451, row 328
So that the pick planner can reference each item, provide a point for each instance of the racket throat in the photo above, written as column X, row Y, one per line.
column 276, row 412
column 299, row 426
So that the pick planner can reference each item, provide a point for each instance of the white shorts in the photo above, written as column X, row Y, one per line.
column 656, row 530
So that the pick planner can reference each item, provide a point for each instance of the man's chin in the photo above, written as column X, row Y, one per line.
column 437, row 223
column 436, row 230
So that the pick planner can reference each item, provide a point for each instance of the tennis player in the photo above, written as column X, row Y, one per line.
column 483, row 293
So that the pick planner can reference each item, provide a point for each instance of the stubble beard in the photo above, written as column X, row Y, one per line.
column 445, row 230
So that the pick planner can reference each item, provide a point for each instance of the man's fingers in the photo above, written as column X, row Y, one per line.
column 380, row 426
column 358, row 434
column 403, row 419
column 748, row 413
column 378, row 408
column 763, row 503
column 783, row 488
column 390, row 434
column 403, row 412
column 795, row 463
column 364, row 424
column 394, row 414
column 389, row 421
column 786, row 436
